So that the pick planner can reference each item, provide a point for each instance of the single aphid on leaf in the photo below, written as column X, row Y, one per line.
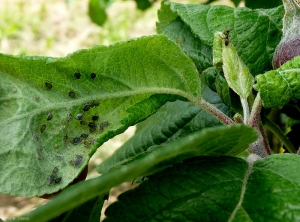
column 48, row 85
column 77, row 162
column 76, row 140
column 49, row 116
column 82, row 122
column 72, row 94
column 94, row 103
column 79, row 116
column 93, row 75
column 102, row 125
column 55, row 170
column 95, row 118
column 57, row 179
column 226, row 37
column 86, row 107
column 84, row 136
column 77, row 75
column 43, row 127
column 51, row 179
column 91, row 125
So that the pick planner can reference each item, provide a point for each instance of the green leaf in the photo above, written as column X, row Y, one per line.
column 90, row 211
column 278, row 87
column 97, row 10
column 173, row 121
column 217, row 50
column 123, row 84
column 221, row 140
column 143, row 4
column 254, row 33
column 236, row 72
column 216, row 189
column 210, row 76
column 229, row 97
column 180, row 33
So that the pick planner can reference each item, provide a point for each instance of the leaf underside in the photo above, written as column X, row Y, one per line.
column 113, row 87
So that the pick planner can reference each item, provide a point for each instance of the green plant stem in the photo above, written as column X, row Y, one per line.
column 274, row 129
column 246, row 111
column 215, row 112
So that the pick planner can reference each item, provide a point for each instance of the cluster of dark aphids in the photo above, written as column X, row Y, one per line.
column 92, row 124
column 53, row 178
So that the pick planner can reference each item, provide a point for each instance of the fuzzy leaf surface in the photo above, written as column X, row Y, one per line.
column 254, row 33
column 278, row 87
column 113, row 87
column 216, row 189
column 236, row 72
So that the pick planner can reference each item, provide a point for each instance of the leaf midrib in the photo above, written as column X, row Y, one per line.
column 78, row 102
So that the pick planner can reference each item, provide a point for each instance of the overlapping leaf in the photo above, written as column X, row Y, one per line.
column 254, row 33
column 216, row 189
column 215, row 141
column 113, row 87
column 174, row 120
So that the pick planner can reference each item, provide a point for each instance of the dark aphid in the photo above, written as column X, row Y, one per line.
column 78, row 156
column 79, row 116
column 102, row 125
column 84, row 136
column 93, row 75
column 72, row 94
column 48, row 85
column 227, row 37
column 43, row 127
column 106, row 196
column 49, row 117
column 55, row 170
column 95, row 118
column 94, row 103
column 92, row 125
column 86, row 107
column 57, row 179
column 51, row 179
column 92, row 129
column 76, row 162
column 77, row 75
column 82, row 122
column 76, row 140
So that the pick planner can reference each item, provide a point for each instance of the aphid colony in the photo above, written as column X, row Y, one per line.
column 53, row 178
column 92, row 124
